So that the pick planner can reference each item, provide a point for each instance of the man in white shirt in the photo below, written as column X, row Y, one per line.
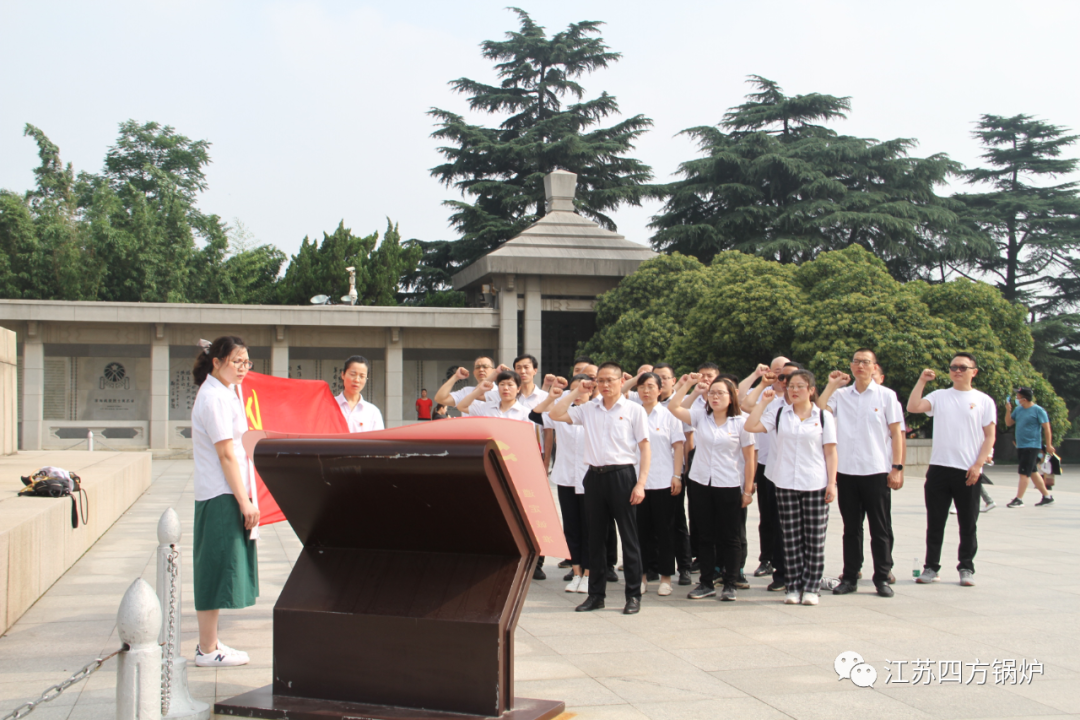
column 615, row 431
column 964, row 431
column 529, row 395
column 483, row 368
column 869, row 450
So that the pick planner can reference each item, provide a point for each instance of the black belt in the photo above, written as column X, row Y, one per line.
column 607, row 468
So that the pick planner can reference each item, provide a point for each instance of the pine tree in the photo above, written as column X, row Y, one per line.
column 774, row 181
column 1034, row 224
column 549, row 126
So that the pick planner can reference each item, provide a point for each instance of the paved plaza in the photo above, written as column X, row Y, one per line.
column 755, row 658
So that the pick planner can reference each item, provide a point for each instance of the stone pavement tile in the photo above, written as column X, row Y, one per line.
column 526, row 645
column 1062, row 695
column 824, row 655
column 845, row 706
column 545, row 667
column 610, row 643
column 603, row 712
column 966, row 701
column 700, row 637
column 619, row 664
column 832, row 633
column 743, row 708
column 750, row 656
column 572, row 691
column 49, row 711
column 84, row 608
column 671, row 687
column 785, row 680
column 237, row 680
column 744, row 614
column 93, row 711
column 590, row 623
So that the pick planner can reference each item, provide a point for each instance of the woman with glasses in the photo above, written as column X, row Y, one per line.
column 802, row 466
column 721, row 479
column 225, row 558
column 361, row 416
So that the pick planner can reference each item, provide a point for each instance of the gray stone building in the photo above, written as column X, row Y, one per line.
column 123, row 370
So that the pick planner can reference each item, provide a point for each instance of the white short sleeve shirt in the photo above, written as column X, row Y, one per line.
column 365, row 417
column 664, row 431
column 797, row 456
column 569, row 468
column 959, row 419
column 530, row 401
column 517, row 411
column 764, row 440
column 611, row 436
column 863, row 440
column 218, row 414
column 459, row 395
column 718, row 458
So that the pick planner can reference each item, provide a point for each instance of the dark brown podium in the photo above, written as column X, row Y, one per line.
column 404, row 601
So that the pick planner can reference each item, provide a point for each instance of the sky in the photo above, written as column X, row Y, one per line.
column 317, row 110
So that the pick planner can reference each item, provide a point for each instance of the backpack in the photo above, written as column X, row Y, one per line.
column 57, row 482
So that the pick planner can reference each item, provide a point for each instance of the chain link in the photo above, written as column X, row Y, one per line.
column 172, row 562
column 56, row 690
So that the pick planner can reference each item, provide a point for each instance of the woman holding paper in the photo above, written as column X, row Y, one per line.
column 225, row 557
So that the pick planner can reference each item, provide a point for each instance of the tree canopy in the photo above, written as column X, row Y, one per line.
column 743, row 309
column 775, row 182
column 548, row 124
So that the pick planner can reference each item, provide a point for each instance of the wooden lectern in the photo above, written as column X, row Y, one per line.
column 403, row 604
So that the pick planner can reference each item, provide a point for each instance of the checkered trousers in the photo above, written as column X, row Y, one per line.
column 804, row 517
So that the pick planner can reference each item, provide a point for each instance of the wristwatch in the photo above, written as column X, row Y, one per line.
column 897, row 467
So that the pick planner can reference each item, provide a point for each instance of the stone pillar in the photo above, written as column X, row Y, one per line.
column 9, row 400
column 33, row 387
column 508, row 340
column 395, row 377
column 279, row 353
column 532, row 318
column 159, row 389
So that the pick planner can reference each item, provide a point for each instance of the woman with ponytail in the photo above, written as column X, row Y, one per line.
column 225, row 558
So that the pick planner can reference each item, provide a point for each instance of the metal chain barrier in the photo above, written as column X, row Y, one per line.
column 56, row 690
column 173, row 561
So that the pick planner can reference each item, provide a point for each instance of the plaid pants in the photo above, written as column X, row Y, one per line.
column 804, row 517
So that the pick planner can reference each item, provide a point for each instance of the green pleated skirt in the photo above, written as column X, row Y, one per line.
column 226, row 561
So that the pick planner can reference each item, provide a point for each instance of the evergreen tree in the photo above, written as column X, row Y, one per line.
column 1034, row 225
column 549, row 126
column 775, row 182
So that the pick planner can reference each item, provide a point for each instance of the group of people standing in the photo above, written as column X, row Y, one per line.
column 631, row 452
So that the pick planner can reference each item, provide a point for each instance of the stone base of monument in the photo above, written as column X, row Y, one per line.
column 262, row 703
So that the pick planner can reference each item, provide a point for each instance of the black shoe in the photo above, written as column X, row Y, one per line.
column 695, row 567
column 591, row 603
column 633, row 606
column 652, row 576
column 611, row 575
column 728, row 594
column 764, row 569
column 538, row 574
column 883, row 590
column 844, row 588
column 701, row 592
column 892, row 578
column 777, row 586
column 684, row 578
column 1015, row 503
column 742, row 583
column 564, row 564
column 568, row 576
column 1048, row 500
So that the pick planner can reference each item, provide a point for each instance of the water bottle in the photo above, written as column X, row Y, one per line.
column 916, row 569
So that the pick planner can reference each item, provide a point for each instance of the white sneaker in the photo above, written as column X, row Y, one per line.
column 810, row 598
column 952, row 510
column 583, row 586
column 573, row 585
column 793, row 598
column 664, row 589
column 222, row 657
column 225, row 648
column 644, row 586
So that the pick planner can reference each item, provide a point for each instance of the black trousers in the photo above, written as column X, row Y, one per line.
column 607, row 498
column 689, row 501
column 572, row 517
column 946, row 485
column 680, row 533
column 654, row 531
column 718, row 515
column 869, row 497
column 772, row 546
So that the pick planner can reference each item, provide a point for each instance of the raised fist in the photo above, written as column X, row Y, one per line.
column 695, row 376
column 486, row 386
column 503, row 368
column 461, row 373
column 768, row 395
column 549, row 382
column 761, row 370
column 769, row 377
column 627, row 377
column 556, row 392
column 838, row 378
column 561, row 382
column 587, row 386
column 928, row 375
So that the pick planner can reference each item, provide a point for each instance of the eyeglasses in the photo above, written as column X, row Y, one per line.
column 482, row 367
column 722, row 393
column 961, row 368
column 246, row 364
column 782, row 378
column 862, row 362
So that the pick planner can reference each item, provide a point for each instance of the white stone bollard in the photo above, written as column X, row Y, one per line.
column 138, row 673
column 90, row 440
column 178, row 702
